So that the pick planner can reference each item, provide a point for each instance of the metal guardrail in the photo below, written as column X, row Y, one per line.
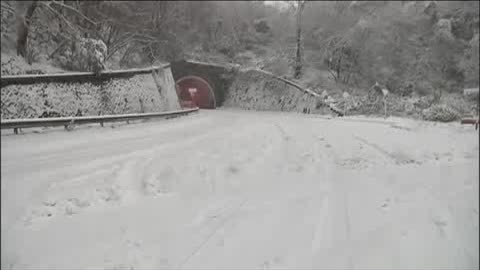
column 79, row 77
column 471, row 91
column 471, row 121
column 75, row 76
column 68, row 121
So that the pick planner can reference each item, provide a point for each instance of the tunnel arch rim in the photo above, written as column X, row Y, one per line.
column 202, row 80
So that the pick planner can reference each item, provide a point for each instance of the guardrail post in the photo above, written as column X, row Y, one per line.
column 101, row 122
column 384, row 107
column 70, row 125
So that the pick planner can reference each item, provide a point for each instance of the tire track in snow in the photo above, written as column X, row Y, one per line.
column 120, row 145
column 297, row 152
column 211, row 235
column 326, row 222
column 322, row 230
column 397, row 158
column 247, row 166
column 77, row 170
column 268, row 159
column 340, row 200
column 117, row 185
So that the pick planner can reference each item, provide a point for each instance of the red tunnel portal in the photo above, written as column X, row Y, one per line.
column 195, row 91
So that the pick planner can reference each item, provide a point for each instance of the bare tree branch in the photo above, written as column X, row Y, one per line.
column 58, row 15
column 8, row 8
column 74, row 10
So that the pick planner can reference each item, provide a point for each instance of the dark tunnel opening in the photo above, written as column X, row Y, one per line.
column 193, row 91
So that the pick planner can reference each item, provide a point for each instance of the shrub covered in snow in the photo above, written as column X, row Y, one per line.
column 15, row 65
column 93, row 53
column 462, row 104
column 441, row 113
column 86, row 54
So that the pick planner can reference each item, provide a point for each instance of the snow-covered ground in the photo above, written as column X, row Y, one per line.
column 227, row 188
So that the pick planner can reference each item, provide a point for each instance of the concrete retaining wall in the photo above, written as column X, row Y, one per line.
column 135, row 94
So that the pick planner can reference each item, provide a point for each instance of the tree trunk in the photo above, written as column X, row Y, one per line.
column 298, row 55
column 23, row 24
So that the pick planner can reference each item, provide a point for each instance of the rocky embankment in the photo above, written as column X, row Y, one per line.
column 256, row 90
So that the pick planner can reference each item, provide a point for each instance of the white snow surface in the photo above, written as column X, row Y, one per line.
column 242, row 189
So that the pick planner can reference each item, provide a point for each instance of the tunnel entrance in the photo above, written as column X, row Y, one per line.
column 194, row 91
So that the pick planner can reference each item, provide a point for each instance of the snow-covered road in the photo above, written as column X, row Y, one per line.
column 226, row 188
